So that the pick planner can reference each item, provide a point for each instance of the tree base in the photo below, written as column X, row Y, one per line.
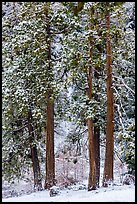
column 92, row 188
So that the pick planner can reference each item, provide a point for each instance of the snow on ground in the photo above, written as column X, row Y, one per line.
column 123, row 193
column 24, row 192
column 68, row 172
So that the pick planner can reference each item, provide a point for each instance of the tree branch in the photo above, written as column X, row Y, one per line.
column 124, row 84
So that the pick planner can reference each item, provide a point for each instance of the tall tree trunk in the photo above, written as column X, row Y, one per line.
column 108, row 167
column 97, row 131
column 97, row 152
column 96, row 126
column 92, row 164
column 34, row 154
column 50, row 159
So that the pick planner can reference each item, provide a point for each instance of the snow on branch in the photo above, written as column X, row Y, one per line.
column 124, row 84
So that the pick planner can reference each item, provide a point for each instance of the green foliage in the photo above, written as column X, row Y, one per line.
column 127, row 144
column 29, row 74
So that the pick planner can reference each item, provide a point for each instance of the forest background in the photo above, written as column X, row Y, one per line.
column 67, row 64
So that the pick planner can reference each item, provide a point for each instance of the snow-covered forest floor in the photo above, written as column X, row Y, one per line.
column 72, row 180
column 49, row 62
column 120, row 193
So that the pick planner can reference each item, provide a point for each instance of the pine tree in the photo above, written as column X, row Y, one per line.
column 50, row 160
column 91, row 141
column 20, row 115
column 124, row 84
column 109, row 154
column 81, row 76
column 108, row 169
column 50, row 49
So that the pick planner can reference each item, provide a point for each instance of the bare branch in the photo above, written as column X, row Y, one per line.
column 124, row 84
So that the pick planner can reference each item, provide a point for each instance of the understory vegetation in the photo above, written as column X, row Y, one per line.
column 68, row 92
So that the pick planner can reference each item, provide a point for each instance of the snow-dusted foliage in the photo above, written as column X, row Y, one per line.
column 26, row 80
column 75, row 57
column 124, row 85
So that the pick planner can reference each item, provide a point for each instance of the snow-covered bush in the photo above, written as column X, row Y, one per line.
column 54, row 190
column 128, row 179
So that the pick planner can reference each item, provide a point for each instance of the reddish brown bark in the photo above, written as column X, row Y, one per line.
column 50, row 160
column 108, row 166
column 92, row 164
column 97, row 131
column 97, row 152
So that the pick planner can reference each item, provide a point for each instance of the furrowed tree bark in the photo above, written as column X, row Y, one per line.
column 109, row 154
column 97, row 132
column 92, row 164
column 50, row 159
column 97, row 152
column 97, row 69
column 34, row 154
